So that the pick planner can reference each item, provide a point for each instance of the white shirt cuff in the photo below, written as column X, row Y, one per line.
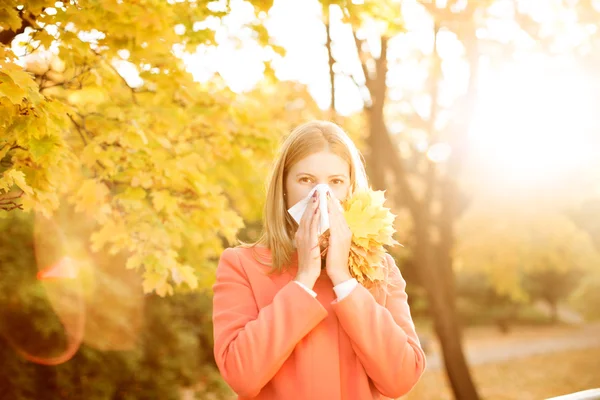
column 345, row 288
column 303, row 286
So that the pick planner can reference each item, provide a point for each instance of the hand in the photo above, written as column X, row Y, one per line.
column 340, row 239
column 307, row 243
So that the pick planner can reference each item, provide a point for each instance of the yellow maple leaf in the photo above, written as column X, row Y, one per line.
column 91, row 195
column 18, row 178
column 372, row 227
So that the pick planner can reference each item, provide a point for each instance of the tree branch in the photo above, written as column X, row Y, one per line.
column 79, row 129
column 400, row 175
column 434, row 82
column 387, row 144
column 75, row 80
column 363, row 66
column 133, row 91
column 331, row 60
column 7, row 204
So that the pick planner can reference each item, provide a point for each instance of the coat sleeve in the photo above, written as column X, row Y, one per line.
column 250, row 345
column 384, row 337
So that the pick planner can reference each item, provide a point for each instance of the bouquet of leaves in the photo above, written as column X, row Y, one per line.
column 372, row 227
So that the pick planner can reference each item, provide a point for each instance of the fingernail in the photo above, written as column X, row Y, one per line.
column 314, row 194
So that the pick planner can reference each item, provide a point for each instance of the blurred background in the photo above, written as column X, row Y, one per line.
column 136, row 137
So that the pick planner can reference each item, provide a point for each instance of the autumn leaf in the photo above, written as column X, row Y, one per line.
column 14, row 177
column 9, row 89
column 185, row 274
column 10, row 19
column 41, row 147
column 90, row 196
column 154, row 280
column 372, row 227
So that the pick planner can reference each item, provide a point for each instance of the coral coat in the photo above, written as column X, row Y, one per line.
column 273, row 340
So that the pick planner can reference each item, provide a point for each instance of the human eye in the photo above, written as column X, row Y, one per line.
column 337, row 181
column 305, row 179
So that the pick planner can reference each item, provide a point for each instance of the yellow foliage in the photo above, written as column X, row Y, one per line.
column 372, row 227
column 87, row 97
column 91, row 196
column 13, row 177
column 506, row 244
column 168, row 167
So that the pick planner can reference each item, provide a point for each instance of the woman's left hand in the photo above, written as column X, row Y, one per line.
column 340, row 238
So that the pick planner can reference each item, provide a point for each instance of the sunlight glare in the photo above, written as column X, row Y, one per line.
column 532, row 121
column 439, row 152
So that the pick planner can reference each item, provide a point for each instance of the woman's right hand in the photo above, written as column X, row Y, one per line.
column 307, row 243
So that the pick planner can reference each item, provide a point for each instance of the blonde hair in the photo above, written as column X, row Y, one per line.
column 304, row 140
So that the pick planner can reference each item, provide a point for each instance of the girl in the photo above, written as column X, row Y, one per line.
column 288, row 325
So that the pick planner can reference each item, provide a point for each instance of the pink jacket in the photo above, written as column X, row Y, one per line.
column 273, row 340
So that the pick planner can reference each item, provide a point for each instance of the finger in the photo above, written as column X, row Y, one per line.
column 335, row 204
column 309, row 212
column 331, row 204
column 333, row 211
column 314, row 225
column 337, row 222
column 313, row 235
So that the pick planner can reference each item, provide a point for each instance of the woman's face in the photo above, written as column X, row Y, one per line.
column 321, row 167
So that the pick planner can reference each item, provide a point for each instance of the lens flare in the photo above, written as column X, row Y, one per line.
column 64, row 269
column 45, row 320
column 66, row 294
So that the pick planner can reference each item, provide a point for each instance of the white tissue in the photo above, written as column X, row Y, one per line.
column 297, row 210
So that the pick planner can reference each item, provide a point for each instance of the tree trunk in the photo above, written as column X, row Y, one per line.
column 433, row 275
column 331, row 62
column 433, row 260
column 439, row 291
column 374, row 166
column 452, row 207
column 434, row 269
column 553, row 312
column 377, row 128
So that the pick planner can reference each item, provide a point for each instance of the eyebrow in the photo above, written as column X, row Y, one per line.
column 330, row 176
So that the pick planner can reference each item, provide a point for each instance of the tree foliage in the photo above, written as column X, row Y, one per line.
column 524, row 253
column 102, row 112
column 131, row 346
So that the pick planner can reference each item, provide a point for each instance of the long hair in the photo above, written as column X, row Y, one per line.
column 309, row 138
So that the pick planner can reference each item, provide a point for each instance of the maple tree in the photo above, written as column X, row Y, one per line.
column 110, row 120
column 113, row 155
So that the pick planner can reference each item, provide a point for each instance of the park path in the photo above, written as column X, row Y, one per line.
column 501, row 348
column 486, row 345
